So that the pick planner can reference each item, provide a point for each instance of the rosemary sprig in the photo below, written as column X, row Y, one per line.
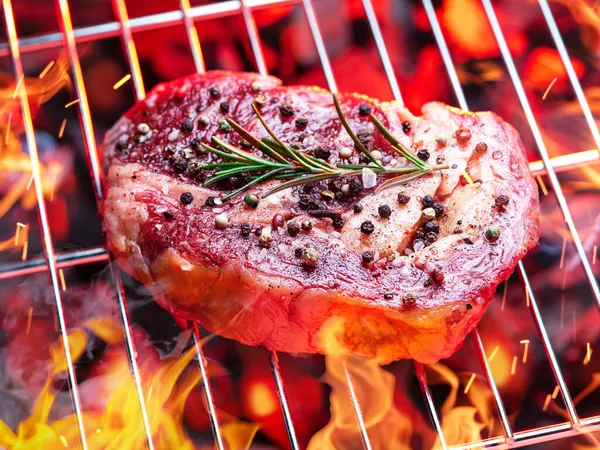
column 298, row 168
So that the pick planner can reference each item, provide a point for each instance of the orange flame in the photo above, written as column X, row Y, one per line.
column 387, row 427
column 165, row 389
column 15, row 166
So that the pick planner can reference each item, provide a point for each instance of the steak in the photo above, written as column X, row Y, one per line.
column 328, row 266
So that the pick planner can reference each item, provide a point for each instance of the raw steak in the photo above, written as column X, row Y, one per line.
column 413, row 288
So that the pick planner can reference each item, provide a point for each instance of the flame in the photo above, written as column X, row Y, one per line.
column 374, row 387
column 166, row 387
column 15, row 165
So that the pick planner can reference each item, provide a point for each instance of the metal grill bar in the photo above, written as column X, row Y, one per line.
column 475, row 334
column 357, row 409
column 63, row 260
column 93, row 159
column 285, row 409
column 43, row 216
column 228, row 8
column 435, row 421
column 430, row 11
column 130, row 51
column 129, row 45
column 537, row 135
column 144, row 23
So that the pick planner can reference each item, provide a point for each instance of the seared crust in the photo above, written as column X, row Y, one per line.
column 266, row 297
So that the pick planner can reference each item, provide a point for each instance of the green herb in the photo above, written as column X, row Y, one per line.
column 296, row 168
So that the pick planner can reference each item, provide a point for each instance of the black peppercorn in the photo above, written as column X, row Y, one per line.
column 195, row 144
column 406, row 127
column 432, row 226
column 431, row 237
column 423, row 154
column 439, row 209
column 211, row 201
column 322, row 152
column 469, row 306
column 364, row 109
column 224, row 107
column 180, row 165
column 501, row 201
column 358, row 208
column 403, row 199
column 245, row 144
column 368, row 257
column 214, row 92
column 306, row 225
column 355, row 186
column 384, row 211
column 388, row 296
column 298, row 252
column 186, row 198
column 202, row 121
column 420, row 234
column 286, row 109
column 167, row 215
column 427, row 201
column 245, row 229
column 187, row 126
column 367, row 227
column 293, row 229
column 301, row 122
column 468, row 241
column 338, row 222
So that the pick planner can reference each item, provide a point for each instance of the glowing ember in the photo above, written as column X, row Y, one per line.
column 468, row 386
column 494, row 353
column 547, row 91
column 44, row 72
column 542, row 185
column 588, row 355
column 61, row 131
column 556, row 391
column 74, row 102
column 122, row 81
column 513, row 367
column 525, row 342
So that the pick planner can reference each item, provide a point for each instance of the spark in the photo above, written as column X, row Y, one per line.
column 29, row 317
column 24, row 252
column 468, row 177
column 72, row 103
column 61, row 131
column 122, row 81
column 44, row 72
column 588, row 355
column 513, row 367
column 594, row 254
column 30, row 181
column 562, row 254
column 63, row 285
column 556, row 391
column 548, row 88
column 493, row 354
column 547, row 402
column 17, row 87
column 64, row 441
column 527, row 297
column 18, row 232
column 504, row 295
column 542, row 185
column 468, row 386
column 525, row 350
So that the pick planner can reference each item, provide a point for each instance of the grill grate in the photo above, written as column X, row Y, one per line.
column 187, row 15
